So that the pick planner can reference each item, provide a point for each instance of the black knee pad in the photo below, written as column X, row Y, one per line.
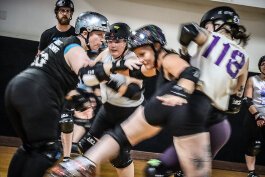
column 254, row 148
column 124, row 159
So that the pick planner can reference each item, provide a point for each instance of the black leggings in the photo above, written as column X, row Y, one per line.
column 108, row 117
column 34, row 110
column 252, row 133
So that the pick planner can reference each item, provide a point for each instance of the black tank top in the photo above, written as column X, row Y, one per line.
column 53, row 64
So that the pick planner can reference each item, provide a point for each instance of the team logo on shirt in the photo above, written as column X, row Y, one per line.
column 40, row 60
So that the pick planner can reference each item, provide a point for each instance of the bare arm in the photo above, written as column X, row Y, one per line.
column 249, row 93
column 187, row 78
column 239, row 89
column 174, row 65
column 77, row 58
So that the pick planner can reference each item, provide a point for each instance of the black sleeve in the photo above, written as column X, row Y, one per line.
column 43, row 41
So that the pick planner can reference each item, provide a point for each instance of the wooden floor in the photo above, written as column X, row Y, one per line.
column 106, row 169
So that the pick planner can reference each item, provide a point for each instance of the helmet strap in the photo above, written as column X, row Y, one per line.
column 156, row 53
column 87, row 40
column 221, row 27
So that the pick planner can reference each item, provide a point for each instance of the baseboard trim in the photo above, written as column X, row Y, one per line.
column 141, row 155
column 10, row 141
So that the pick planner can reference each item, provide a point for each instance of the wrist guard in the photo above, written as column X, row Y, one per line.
column 116, row 81
column 248, row 101
column 118, row 65
column 80, row 166
column 258, row 116
column 234, row 104
column 80, row 100
column 133, row 92
column 188, row 33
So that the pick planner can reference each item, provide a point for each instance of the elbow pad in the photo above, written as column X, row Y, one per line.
column 93, row 75
column 191, row 73
column 188, row 33
column 133, row 92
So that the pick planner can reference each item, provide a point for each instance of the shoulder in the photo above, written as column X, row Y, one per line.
column 71, row 39
column 72, row 30
column 171, row 58
column 251, row 79
column 49, row 31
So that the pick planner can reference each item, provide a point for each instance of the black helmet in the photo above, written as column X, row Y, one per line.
column 147, row 35
column 224, row 13
column 118, row 31
column 262, row 59
column 91, row 21
column 63, row 3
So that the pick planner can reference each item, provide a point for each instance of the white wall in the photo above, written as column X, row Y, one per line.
column 29, row 18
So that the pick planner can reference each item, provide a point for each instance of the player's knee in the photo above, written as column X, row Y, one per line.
column 123, row 160
column 254, row 148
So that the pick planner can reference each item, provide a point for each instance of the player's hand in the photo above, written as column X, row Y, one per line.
column 260, row 119
column 132, row 64
column 171, row 100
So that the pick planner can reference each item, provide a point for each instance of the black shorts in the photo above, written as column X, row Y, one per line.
column 108, row 117
column 215, row 117
column 181, row 120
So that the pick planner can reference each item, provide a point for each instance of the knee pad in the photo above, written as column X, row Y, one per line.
column 157, row 168
column 254, row 149
column 123, row 160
